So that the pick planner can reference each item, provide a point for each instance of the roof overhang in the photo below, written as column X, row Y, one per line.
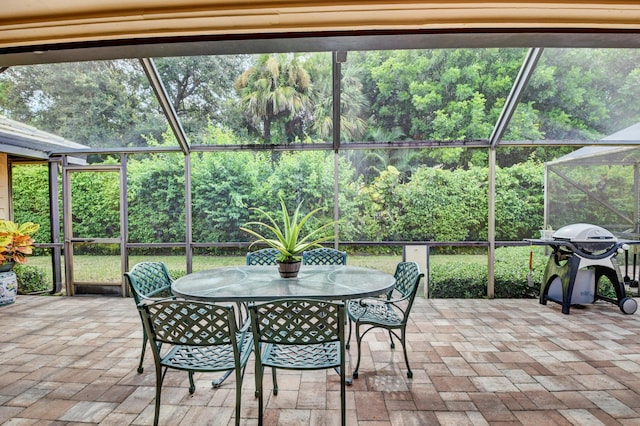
column 305, row 42
column 46, row 31
column 24, row 141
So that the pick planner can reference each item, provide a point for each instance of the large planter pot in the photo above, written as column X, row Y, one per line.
column 8, row 287
column 6, row 267
column 289, row 269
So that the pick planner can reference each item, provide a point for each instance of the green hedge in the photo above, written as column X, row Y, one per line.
column 425, row 204
column 467, row 281
column 457, row 280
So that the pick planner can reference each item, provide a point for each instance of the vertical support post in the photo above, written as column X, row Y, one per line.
column 54, row 225
column 545, row 218
column 492, row 224
column 427, row 278
column 338, row 58
column 636, row 196
column 187, row 212
column 124, row 223
column 66, row 228
column 420, row 254
column 336, row 200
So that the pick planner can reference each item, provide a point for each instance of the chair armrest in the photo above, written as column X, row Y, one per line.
column 372, row 301
column 379, row 300
column 159, row 294
column 371, row 305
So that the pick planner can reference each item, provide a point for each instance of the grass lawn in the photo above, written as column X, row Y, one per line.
column 107, row 268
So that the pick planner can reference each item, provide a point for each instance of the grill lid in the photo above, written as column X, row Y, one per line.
column 584, row 233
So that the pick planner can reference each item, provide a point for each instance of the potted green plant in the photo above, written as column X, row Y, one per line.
column 15, row 242
column 286, row 236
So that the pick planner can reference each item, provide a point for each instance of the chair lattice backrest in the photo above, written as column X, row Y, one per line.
column 298, row 334
column 324, row 256
column 298, row 322
column 183, row 322
column 195, row 336
column 262, row 257
column 407, row 277
column 149, row 280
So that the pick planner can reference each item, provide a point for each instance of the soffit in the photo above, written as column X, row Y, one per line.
column 164, row 27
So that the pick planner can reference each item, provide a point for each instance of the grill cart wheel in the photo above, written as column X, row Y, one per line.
column 628, row 305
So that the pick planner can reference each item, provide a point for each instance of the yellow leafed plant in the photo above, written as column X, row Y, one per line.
column 16, row 241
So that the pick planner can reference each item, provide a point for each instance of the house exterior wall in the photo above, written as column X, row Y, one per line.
column 5, row 198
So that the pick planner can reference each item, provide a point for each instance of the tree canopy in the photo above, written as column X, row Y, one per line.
column 439, row 95
column 395, row 95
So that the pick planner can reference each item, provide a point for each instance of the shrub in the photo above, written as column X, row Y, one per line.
column 458, row 280
column 512, row 268
column 466, row 281
column 176, row 273
column 606, row 289
column 31, row 279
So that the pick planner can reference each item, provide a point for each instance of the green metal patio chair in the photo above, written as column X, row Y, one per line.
column 324, row 256
column 298, row 334
column 390, row 313
column 262, row 257
column 195, row 337
column 148, row 281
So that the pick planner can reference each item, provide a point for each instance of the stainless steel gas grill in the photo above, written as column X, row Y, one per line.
column 582, row 254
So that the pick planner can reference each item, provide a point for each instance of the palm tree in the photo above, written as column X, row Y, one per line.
column 352, row 100
column 276, row 88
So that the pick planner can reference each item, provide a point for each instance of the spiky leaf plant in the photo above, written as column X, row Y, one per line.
column 286, row 232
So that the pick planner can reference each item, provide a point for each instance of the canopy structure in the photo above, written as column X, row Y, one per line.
column 142, row 36
column 597, row 185
column 47, row 32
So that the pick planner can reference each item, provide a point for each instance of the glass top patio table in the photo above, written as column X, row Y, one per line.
column 261, row 283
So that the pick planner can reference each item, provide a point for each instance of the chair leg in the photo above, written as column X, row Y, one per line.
column 343, row 391
column 358, row 342
column 275, row 381
column 404, row 348
column 346, row 346
column 192, row 385
column 393, row 345
column 218, row 382
column 239, row 377
column 259, row 379
column 159, row 379
column 144, row 346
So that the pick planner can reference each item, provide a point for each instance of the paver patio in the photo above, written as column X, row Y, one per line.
column 73, row 360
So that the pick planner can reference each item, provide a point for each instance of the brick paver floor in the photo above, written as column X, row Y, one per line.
column 73, row 360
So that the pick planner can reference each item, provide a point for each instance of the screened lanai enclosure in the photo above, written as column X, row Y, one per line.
column 417, row 142
column 596, row 185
